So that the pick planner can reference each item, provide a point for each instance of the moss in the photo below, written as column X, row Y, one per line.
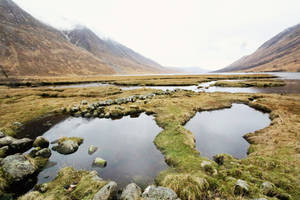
column 77, row 140
column 59, row 188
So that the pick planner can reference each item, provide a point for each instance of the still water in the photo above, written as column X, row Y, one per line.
column 221, row 131
column 126, row 144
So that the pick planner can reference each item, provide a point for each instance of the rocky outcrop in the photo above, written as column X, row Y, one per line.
column 131, row 192
column 12, row 145
column 68, row 145
column 107, row 192
column 17, row 168
column 152, row 193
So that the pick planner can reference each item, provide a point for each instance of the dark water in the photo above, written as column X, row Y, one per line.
column 126, row 144
column 222, row 131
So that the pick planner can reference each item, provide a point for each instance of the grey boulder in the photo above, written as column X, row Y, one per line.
column 21, row 145
column 153, row 193
column 107, row 192
column 66, row 147
column 241, row 187
column 131, row 192
column 17, row 167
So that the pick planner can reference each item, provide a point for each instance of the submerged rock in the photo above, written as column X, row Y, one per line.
column 99, row 162
column 41, row 142
column 68, row 145
column 241, row 187
column 17, row 168
column 152, row 192
column 92, row 149
column 131, row 192
column 107, row 192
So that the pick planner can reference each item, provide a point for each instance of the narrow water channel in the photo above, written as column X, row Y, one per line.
column 221, row 131
column 126, row 144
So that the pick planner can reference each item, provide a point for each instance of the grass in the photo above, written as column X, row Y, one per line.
column 273, row 153
column 251, row 83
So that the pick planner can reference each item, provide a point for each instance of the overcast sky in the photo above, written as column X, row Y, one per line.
column 210, row 34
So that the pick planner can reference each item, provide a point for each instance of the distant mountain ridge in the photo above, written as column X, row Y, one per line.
column 28, row 47
column 280, row 53
column 119, row 57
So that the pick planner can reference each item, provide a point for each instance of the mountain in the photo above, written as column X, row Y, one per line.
column 189, row 70
column 280, row 53
column 30, row 48
column 119, row 57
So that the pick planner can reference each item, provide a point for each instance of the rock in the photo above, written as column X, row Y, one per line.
column 74, row 109
column 68, row 145
column 241, row 187
column 99, row 162
column 92, row 149
column 283, row 196
column 131, row 192
column 18, row 124
column 204, row 163
column 21, row 145
column 4, row 151
column 219, row 159
column 152, row 193
column 84, row 102
column 87, row 115
column 17, row 167
column 2, row 135
column 95, row 113
column 107, row 192
column 41, row 142
column 268, row 189
column 7, row 140
column 44, row 153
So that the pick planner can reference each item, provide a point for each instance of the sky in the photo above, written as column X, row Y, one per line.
column 209, row 34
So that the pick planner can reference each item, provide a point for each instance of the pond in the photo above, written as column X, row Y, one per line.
column 126, row 144
column 221, row 131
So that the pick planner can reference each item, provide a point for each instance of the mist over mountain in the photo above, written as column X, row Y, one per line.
column 29, row 47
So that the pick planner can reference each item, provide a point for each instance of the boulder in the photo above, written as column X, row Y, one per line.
column 17, row 168
column 131, row 192
column 41, row 142
column 4, row 151
column 152, row 192
column 107, row 192
column 7, row 140
column 241, row 187
column 44, row 153
column 2, row 134
column 21, row 145
column 68, row 145
column 92, row 149
column 99, row 162
column 84, row 102
column 268, row 189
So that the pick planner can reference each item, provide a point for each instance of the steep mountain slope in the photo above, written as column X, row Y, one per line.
column 118, row 56
column 29, row 47
column 280, row 53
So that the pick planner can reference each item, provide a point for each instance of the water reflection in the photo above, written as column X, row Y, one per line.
column 222, row 131
column 126, row 144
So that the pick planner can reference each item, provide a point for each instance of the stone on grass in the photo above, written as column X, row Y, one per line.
column 152, row 192
column 2, row 134
column 241, row 187
column 131, row 192
column 107, row 192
